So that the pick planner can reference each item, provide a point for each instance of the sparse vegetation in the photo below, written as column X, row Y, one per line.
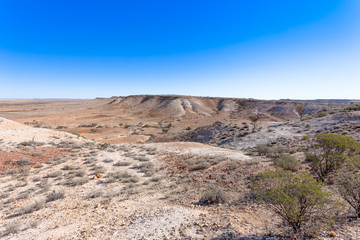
column 98, row 169
column 95, row 194
column 287, row 162
column 69, row 167
column 101, row 181
column 321, row 114
column 263, row 149
column 23, row 162
column 11, row 228
column 55, row 195
column 147, row 168
column 54, row 174
column 142, row 159
column 120, row 176
column 108, row 160
column 275, row 151
column 122, row 164
column 214, row 195
column 91, row 125
column 44, row 185
column 353, row 107
column 200, row 166
column 31, row 144
column 36, row 206
column 76, row 181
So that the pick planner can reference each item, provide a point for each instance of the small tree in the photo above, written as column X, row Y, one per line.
column 348, row 183
column 254, row 119
column 299, row 108
column 329, row 153
column 296, row 198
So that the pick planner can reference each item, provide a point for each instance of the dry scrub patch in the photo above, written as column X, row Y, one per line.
column 240, row 215
column 10, row 158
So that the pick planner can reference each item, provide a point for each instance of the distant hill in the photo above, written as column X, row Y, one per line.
column 175, row 106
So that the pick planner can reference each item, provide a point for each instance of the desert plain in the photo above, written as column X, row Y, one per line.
column 140, row 167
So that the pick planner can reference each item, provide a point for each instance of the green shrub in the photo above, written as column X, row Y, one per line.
column 278, row 151
column 348, row 184
column 329, row 152
column 287, row 162
column 275, row 151
column 321, row 114
column 263, row 149
column 354, row 107
column 297, row 198
column 306, row 137
column 306, row 118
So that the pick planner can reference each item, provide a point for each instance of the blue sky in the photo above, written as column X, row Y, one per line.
column 298, row 49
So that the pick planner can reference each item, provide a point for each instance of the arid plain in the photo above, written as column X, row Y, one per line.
column 138, row 167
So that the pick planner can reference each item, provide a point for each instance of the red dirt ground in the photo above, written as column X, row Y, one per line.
column 8, row 157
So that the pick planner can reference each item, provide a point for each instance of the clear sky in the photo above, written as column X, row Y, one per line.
column 269, row 49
